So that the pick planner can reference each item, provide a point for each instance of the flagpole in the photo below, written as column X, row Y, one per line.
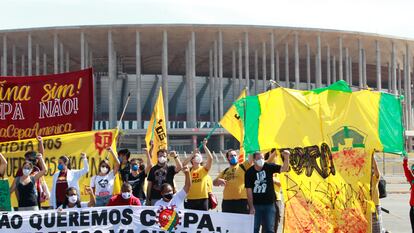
column 123, row 112
column 209, row 135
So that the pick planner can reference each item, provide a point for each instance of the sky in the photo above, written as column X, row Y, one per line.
column 387, row 17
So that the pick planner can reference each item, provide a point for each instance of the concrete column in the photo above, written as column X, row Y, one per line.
column 86, row 53
column 220, row 73
column 29, row 55
column 14, row 71
column 240, row 66
column 308, row 68
column 408, row 94
column 389, row 77
column 193, row 87
column 4, row 61
column 333, row 69
column 378, row 64
column 360, row 80
column 319, row 62
column 138, row 78
column 394, row 70
column 23, row 66
column 272, row 57
column 246, row 60
column 164, row 71
column 112, row 81
column 37, row 59
column 211, row 83
column 82, row 45
column 364, row 68
column 61, row 58
column 287, row 65
column 399, row 78
column 297, row 78
column 350, row 71
column 256, row 72
column 328, row 66
column 264, row 73
column 67, row 61
column 55, row 54
column 216, row 82
column 233, row 72
column 90, row 60
column 44, row 64
column 340, row 71
column 347, row 65
column 277, row 67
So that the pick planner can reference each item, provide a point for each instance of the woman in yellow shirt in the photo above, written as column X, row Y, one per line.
column 197, row 198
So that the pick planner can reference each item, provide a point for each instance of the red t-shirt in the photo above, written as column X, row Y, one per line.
column 410, row 179
column 61, row 186
column 118, row 200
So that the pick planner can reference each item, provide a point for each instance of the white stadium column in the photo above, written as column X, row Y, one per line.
column 308, row 68
column 14, row 58
column 340, row 64
column 82, row 45
column 378, row 65
column 164, row 72
column 4, row 61
column 287, row 65
column 264, row 73
column 246, row 60
column 297, row 78
column 37, row 59
column 29, row 54
column 55, row 54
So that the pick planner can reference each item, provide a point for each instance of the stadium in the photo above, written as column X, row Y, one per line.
column 203, row 68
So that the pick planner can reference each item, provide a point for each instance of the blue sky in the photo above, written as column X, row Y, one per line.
column 392, row 17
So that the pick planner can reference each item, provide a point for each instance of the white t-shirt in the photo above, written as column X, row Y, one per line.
column 177, row 200
column 103, row 185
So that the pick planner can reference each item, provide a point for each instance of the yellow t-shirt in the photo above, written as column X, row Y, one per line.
column 234, row 176
column 277, row 188
column 199, row 184
column 374, row 190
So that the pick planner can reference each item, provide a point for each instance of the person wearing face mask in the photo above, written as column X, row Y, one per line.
column 72, row 199
column 136, row 177
column 25, row 185
column 103, row 182
column 161, row 173
column 125, row 197
column 197, row 198
column 260, row 190
column 123, row 158
column 66, row 178
column 410, row 178
column 232, row 178
column 170, row 199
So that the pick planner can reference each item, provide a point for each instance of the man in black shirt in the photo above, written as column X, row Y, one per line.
column 124, row 168
column 260, row 191
column 160, row 174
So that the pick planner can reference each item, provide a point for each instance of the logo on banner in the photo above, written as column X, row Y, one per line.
column 103, row 140
column 168, row 218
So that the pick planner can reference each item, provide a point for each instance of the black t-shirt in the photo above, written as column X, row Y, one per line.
column 159, row 175
column 124, row 171
column 137, row 183
column 261, row 183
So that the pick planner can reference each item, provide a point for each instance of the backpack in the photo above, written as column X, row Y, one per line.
column 382, row 187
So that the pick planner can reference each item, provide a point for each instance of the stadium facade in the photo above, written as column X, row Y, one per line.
column 203, row 68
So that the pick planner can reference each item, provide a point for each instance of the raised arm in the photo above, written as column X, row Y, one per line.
column 3, row 165
column 178, row 164
column 188, row 159
column 250, row 200
column 272, row 156
column 149, row 160
column 117, row 164
column 92, row 199
column 285, row 166
column 40, row 146
column 407, row 171
column 209, row 156
column 42, row 171
column 375, row 167
column 187, row 182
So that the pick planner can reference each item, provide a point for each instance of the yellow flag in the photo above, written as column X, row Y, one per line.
column 157, row 131
column 231, row 122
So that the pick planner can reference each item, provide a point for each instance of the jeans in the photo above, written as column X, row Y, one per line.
column 265, row 216
column 412, row 218
column 102, row 200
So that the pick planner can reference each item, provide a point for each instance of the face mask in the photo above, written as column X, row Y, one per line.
column 168, row 196
column 60, row 167
column 198, row 159
column 162, row 160
column 134, row 167
column 233, row 160
column 73, row 199
column 104, row 170
column 260, row 162
column 126, row 195
column 27, row 171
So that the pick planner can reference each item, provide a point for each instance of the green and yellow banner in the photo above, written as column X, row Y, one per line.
column 331, row 133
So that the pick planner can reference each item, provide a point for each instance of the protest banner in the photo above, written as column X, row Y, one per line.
column 45, row 105
column 331, row 134
column 93, row 143
column 125, row 219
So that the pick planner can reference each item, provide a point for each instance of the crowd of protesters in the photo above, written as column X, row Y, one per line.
column 250, row 187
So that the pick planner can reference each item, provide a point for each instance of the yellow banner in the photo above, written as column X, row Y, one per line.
column 157, row 131
column 93, row 143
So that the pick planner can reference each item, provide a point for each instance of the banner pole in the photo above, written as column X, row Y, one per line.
column 123, row 111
